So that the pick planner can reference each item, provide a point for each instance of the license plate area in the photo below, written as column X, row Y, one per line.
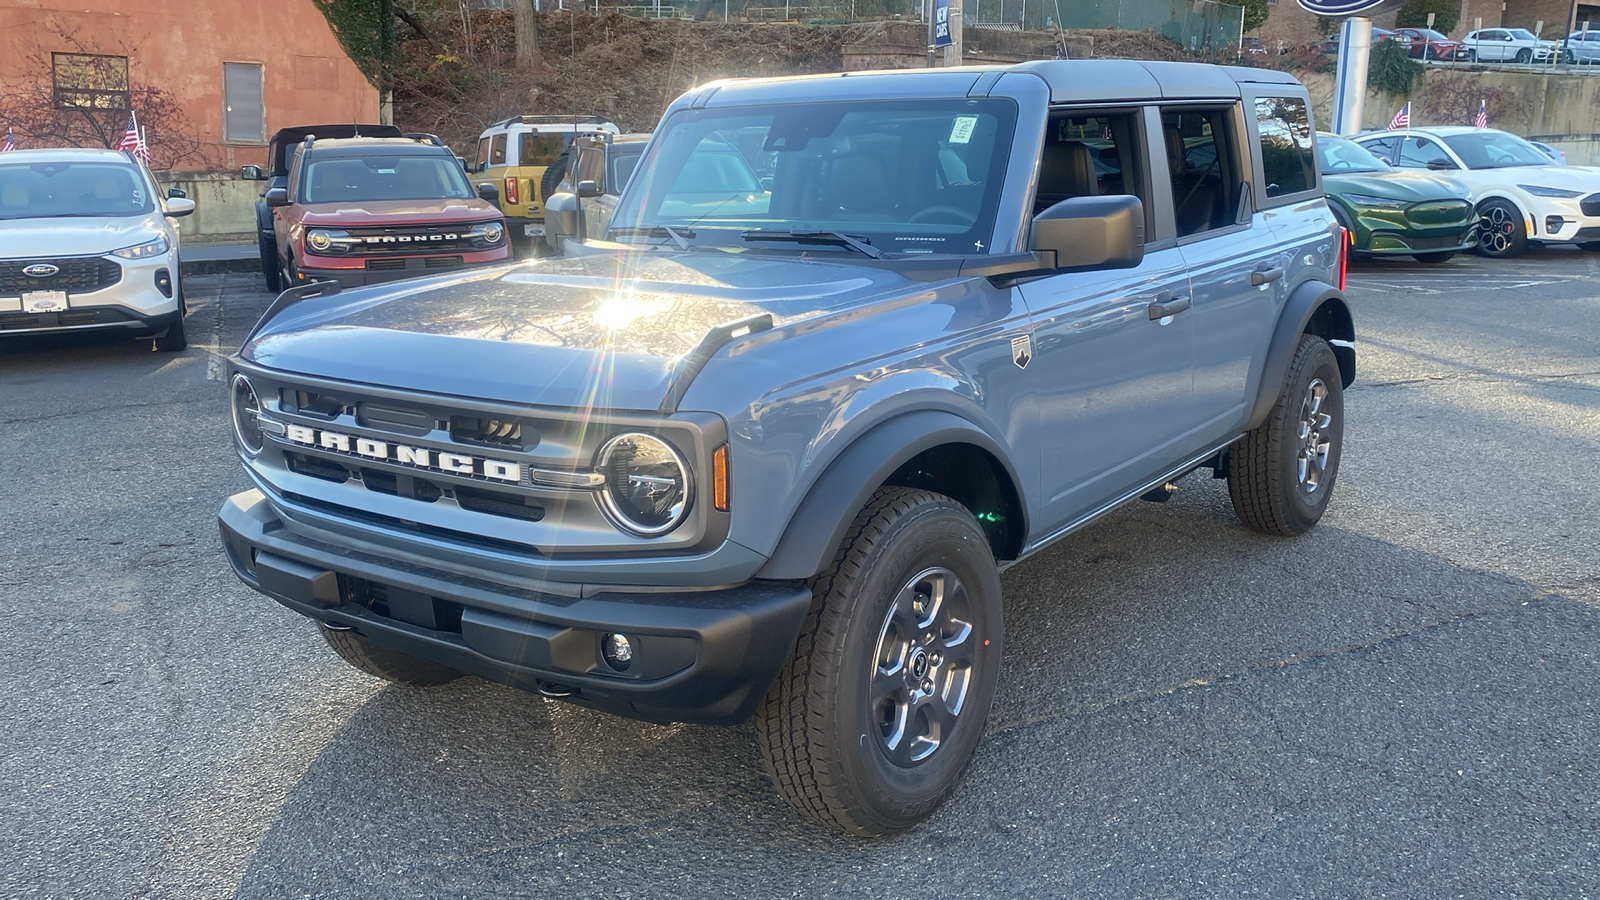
column 44, row 301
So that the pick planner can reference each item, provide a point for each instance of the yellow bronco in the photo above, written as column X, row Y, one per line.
column 515, row 153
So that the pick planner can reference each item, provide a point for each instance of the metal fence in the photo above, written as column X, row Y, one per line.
column 1195, row 24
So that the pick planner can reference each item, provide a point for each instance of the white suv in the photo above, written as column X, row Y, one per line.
column 87, row 243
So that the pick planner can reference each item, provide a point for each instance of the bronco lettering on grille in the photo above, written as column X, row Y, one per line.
column 423, row 457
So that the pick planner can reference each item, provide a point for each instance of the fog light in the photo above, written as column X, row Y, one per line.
column 617, row 650
column 1552, row 224
column 164, row 282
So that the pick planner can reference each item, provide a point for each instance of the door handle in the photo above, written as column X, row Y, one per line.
column 1167, row 305
column 1257, row 279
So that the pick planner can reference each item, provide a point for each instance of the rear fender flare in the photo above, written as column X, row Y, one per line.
column 1312, row 302
column 818, row 526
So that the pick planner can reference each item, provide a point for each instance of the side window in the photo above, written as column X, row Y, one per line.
column 1416, row 153
column 1090, row 155
column 621, row 168
column 483, row 152
column 497, row 151
column 1288, row 149
column 1203, row 163
column 535, row 149
column 590, row 167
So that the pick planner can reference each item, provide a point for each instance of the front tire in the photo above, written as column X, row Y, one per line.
column 1281, row 474
column 876, row 715
column 381, row 662
column 174, row 340
column 1502, row 233
column 269, row 264
column 1524, row 55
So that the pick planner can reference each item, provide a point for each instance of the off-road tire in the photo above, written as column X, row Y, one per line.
column 381, row 662
column 823, row 743
column 174, row 340
column 1495, row 215
column 1264, row 481
column 1434, row 259
column 269, row 265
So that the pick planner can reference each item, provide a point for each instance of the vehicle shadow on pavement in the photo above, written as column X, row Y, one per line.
column 1185, row 706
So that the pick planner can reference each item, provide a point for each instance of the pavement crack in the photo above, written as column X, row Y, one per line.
column 1480, row 377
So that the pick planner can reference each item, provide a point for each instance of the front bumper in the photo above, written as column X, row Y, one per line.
column 358, row 271
column 704, row 656
column 134, row 304
column 1560, row 220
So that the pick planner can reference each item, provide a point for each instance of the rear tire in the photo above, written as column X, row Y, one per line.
column 1281, row 474
column 381, row 662
column 1434, row 259
column 876, row 715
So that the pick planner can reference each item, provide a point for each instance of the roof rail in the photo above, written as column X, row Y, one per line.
column 553, row 120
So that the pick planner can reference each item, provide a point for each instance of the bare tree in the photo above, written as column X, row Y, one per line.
column 82, row 95
column 526, row 22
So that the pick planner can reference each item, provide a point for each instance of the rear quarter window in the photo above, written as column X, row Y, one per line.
column 1288, row 150
column 497, row 151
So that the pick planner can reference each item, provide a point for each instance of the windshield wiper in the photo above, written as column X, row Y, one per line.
column 803, row 235
column 679, row 236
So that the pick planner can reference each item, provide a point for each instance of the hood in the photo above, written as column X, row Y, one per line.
column 606, row 331
column 376, row 214
column 1554, row 175
column 34, row 238
column 1410, row 186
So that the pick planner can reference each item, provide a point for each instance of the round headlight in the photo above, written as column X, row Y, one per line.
column 647, row 487
column 319, row 241
column 493, row 232
column 246, row 416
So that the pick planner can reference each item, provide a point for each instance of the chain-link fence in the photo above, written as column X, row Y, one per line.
column 1194, row 24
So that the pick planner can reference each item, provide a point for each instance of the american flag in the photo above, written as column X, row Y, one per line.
column 1402, row 119
column 133, row 140
column 1482, row 118
column 10, row 144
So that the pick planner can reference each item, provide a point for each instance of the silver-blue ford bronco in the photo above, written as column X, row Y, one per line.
column 852, row 345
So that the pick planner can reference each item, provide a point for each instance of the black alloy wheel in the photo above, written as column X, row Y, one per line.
column 1502, row 232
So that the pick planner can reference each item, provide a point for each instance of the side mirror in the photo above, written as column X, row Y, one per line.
column 487, row 191
column 463, row 161
column 561, row 219
column 1440, row 165
column 252, row 173
column 277, row 197
column 588, row 190
column 179, row 206
column 1091, row 232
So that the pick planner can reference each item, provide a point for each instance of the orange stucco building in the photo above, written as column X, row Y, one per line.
column 238, row 70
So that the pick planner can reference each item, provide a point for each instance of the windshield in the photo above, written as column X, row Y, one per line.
column 47, row 189
column 1340, row 155
column 1495, row 150
column 343, row 179
column 905, row 176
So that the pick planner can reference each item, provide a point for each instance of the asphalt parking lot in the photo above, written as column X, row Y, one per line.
column 1401, row 704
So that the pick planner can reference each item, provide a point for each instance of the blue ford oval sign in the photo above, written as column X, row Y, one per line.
column 1335, row 8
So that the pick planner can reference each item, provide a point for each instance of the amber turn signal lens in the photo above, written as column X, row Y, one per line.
column 719, row 478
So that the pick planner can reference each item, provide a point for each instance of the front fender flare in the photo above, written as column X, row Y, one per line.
column 820, row 522
column 1312, row 301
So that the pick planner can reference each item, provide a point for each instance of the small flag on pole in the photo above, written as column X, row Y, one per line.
column 1481, row 120
column 1402, row 119
column 133, row 139
column 10, row 144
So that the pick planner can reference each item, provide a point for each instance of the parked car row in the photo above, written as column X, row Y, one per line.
column 1501, row 45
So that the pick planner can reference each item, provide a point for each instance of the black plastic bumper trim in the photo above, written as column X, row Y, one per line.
column 700, row 656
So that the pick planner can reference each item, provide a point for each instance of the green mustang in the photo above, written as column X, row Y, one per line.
column 1394, row 212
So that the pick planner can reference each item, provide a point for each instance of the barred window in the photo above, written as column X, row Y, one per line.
column 89, row 81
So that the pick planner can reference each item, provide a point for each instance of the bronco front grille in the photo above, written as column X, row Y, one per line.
column 75, row 275
column 410, row 240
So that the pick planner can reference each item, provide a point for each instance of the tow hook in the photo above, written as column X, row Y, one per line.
column 556, row 691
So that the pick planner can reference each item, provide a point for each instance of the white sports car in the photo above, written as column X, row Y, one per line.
column 1522, row 195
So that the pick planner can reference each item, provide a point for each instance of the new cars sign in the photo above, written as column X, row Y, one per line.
column 1336, row 8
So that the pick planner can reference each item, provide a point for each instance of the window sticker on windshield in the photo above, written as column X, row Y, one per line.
column 138, row 195
column 386, row 171
column 961, row 132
